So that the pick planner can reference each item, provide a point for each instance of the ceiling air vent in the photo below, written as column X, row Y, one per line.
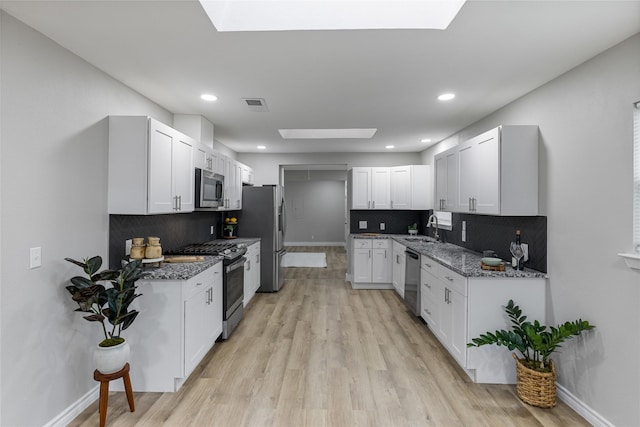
column 257, row 105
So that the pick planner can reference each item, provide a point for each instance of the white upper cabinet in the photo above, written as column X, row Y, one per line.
column 360, row 191
column 150, row 167
column 400, row 187
column 370, row 188
column 380, row 188
column 446, row 175
column 498, row 172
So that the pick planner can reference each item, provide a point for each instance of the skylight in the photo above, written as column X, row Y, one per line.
column 327, row 133
column 287, row 15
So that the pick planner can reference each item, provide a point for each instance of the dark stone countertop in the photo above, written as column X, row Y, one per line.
column 461, row 260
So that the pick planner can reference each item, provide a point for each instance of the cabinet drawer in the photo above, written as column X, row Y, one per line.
column 362, row 243
column 198, row 283
column 453, row 280
column 380, row 243
column 429, row 265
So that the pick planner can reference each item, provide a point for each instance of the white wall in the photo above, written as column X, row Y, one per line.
column 586, row 154
column 54, row 195
column 316, row 206
column 266, row 167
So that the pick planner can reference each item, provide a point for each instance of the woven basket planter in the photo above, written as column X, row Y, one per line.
column 536, row 388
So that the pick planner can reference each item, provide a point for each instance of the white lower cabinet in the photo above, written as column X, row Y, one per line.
column 371, row 263
column 251, row 272
column 399, row 261
column 457, row 309
column 178, row 324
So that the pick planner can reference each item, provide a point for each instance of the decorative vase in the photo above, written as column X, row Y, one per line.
column 108, row 360
column 534, row 387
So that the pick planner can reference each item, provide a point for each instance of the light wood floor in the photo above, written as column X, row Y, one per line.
column 318, row 353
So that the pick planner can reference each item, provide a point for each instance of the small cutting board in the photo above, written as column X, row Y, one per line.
column 184, row 258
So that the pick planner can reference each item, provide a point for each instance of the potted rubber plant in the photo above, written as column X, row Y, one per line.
column 110, row 304
column 535, row 371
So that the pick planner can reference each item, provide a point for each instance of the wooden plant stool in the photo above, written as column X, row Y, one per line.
column 104, row 389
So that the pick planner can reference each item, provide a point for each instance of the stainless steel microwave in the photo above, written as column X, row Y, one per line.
column 209, row 190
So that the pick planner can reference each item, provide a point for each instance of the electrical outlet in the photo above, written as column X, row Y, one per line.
column 127, row 247
column 213, row 230
column 382, row 226
column 313, row 237
column 362, row 225
column 35, row 257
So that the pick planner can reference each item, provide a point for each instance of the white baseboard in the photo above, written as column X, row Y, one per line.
column 581, row 408
column 314, row 244
column 65, row 417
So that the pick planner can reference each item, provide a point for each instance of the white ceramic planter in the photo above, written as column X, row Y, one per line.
column 111, row 359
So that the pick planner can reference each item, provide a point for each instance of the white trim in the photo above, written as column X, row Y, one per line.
column 315, row 244
column 632, row 260
column 582, row 408
column 69, row 414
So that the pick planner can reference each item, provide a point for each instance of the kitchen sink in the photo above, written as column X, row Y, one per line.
column 421, row 239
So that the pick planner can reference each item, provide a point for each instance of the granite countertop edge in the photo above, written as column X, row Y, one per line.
column 462, row 261
column 179, row 271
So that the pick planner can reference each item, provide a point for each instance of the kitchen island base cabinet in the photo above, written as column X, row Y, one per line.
column 178, row 324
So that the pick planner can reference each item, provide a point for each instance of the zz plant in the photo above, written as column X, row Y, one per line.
column 110, row 304
column 533, row 341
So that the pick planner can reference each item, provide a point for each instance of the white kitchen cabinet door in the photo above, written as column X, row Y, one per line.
column 381, row 267
column 161, row 140
column 214, row 313
column 196, row 334
column 457, row 308
column 446, row 164
column 400, row 181
column 362, row 265
column 399, row 260
column 487, row 169
column 251, row 272
column 467, row 176
column 380, row 188
column 183, row 173
column 360, row 188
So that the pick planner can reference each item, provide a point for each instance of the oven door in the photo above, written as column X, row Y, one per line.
column 233, row 286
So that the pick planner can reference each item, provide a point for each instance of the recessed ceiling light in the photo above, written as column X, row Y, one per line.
column 208, row 97
column 425, row 140
column 389, row 147
column 447, row 96
column 327, row 133
column 279, row 15
column 261, row 147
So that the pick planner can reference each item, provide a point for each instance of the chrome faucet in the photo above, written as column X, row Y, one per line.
column 433, row 220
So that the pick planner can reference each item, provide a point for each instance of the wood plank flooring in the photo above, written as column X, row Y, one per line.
column 318, row 353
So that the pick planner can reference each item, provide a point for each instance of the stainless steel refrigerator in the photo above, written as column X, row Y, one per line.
column 263, row 215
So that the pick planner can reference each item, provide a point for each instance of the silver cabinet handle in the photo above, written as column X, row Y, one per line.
column 373, row 204
column 369, row 204
column 179, row 203
column 385, row 254
column 427, row 264
column 392, row 204
column 248, row 265
column 198, row 284
column 369, row 253
column 448, row 278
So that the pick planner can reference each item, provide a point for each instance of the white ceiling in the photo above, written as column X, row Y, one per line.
column 492, row 53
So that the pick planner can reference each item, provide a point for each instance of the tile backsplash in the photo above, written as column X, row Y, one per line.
column 396, row 222
column 486, row 232
column 174, row 230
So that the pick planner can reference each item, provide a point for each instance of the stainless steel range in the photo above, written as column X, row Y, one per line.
column 233, row 279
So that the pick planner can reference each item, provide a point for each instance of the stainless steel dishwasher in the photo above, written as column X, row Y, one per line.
column 412, row 281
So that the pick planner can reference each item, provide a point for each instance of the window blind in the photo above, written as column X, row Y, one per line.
column 636, row 177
